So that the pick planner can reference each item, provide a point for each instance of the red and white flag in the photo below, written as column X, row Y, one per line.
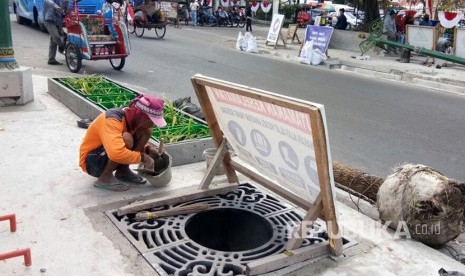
column 254, row 6
column 429, row 8
column 266, row 7
column 130, row 14
column 449, row 19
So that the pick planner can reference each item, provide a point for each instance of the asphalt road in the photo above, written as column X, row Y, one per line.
column 374, row 125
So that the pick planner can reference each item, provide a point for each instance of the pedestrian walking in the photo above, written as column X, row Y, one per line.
column 248, row 18
column 54, row 11
column 194, row 7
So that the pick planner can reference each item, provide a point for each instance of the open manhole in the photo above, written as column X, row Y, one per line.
column 229, row 229
column 242, row 225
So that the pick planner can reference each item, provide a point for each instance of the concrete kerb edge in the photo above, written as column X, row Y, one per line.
column 446, row 84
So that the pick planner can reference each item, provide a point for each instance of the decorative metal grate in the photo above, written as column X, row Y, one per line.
column 165, row 244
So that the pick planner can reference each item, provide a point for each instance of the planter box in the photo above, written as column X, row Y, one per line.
column 184, row 152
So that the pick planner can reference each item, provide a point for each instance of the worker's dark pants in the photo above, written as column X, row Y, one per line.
column 248, row 23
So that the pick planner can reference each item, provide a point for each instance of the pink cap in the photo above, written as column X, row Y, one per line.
column 152, row 107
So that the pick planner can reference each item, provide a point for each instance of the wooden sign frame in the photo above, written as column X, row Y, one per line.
column 458, row 49
column 280, row 35
column 292, row 33
column 434, row 29
column 323, row 207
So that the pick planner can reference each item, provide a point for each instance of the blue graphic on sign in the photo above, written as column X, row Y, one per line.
column 260, row 142
column 289, row 155
column 310, row 168
column 238, row 132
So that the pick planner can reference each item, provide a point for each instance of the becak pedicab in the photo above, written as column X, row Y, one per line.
column 148, row 16
column 96, row 36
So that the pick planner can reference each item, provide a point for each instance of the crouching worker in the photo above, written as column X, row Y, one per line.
column 119, row 137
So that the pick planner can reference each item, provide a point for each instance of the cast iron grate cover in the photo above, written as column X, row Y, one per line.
column 175, row 246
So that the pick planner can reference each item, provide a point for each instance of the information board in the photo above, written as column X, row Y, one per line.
column 460, row 42
column 169, row 9
column 275, row 28
column 321, row 35
column 421, row 36
column 281, row 143
column 275, row 140
column 292, row 33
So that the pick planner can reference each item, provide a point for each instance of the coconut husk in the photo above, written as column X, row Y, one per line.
column 431, row 205
column 356, row 181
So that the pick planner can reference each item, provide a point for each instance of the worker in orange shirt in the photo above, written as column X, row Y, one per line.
column 119, row 137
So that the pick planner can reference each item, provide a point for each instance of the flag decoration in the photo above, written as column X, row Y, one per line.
column 254, row 6
column 449, row 19
column 130, row 14
column 266, row 7
column 224, row 3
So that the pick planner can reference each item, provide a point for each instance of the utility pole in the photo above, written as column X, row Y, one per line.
column 15, row 81
column 7, row 54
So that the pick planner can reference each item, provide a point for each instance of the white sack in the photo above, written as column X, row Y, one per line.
column 317, row 57
column 240, row 37
column 252, row 45
column 306, row 53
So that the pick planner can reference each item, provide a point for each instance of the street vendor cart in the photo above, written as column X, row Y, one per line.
column 96, row 37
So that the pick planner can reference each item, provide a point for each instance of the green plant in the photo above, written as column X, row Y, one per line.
column 178, row 134
column 85, row 85
column 287, row 10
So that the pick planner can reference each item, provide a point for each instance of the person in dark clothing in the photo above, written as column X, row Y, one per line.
column 341, row 21
column 53, row 21
column 248, row 18
column 426, row 21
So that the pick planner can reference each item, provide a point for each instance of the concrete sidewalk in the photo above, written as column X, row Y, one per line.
column 60, row 215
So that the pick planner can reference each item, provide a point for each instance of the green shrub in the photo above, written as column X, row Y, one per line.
column 287, row 10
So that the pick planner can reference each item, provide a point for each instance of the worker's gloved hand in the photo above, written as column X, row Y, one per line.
column 148, row 162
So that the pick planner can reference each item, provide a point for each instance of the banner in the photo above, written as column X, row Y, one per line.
column 275, row 140
column 275, row 28
column 321, row 35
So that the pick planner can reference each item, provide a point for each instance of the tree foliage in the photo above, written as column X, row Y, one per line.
column 450, row 5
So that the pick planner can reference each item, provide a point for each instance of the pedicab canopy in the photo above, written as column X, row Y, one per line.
column 280, row 142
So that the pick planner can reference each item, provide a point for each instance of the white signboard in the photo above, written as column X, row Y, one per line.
column 460, row 42
column 277, row 141
column 421, row 36
column 169, row 9
column 275, row 28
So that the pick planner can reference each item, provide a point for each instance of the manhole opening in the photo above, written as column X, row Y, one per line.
column 229, row 229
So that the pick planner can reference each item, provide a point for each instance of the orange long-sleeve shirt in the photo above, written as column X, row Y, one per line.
column 107, row 130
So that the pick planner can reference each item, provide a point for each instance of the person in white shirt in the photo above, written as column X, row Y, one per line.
column 194, row 7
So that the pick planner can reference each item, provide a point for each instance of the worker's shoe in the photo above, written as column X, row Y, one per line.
column 54, row 62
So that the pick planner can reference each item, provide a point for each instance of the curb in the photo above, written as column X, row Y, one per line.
column 438, row 85
column 444, row 84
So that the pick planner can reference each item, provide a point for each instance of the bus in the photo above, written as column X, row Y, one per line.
column 31, row 11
